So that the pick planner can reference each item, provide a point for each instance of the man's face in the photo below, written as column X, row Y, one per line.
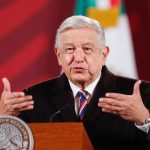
column 80, row 56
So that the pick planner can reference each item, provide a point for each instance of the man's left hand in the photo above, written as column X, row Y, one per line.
column 129, row 107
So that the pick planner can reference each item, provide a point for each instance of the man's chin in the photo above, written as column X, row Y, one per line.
column 80, row 80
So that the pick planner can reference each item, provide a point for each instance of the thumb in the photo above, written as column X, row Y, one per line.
column 136, row 89
column 6, row 84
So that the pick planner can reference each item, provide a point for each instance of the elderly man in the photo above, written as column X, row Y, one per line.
column 113, row 109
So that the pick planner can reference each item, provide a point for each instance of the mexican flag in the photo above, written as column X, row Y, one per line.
column 112, row 16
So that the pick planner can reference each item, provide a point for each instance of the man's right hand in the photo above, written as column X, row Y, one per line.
column 12, row 103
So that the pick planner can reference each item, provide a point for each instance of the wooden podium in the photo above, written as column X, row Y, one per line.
column 60, row 136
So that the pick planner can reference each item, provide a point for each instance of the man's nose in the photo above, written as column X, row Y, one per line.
column 79, row 55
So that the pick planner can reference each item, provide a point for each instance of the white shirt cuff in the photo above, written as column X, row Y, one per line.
column 144, row 127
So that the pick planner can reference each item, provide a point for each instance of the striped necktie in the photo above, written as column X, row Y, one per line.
column 82, row 103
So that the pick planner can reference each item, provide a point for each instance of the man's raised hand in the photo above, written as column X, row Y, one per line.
column 129, row 107
column 11, row 103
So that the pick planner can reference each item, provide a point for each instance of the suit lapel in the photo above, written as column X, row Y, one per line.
column 63, row 99
column 105, row 84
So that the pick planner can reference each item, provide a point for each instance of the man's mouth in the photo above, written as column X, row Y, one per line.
column 78, row 69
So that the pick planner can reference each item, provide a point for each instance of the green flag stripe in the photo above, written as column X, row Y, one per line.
column 82, row 5
column 122, row 9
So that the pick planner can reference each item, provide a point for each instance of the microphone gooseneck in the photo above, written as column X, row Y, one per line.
column 58, row 112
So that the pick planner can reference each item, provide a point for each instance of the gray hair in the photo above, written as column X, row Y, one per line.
column 76, row 22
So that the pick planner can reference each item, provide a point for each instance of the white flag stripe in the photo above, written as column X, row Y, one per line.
column 103, row 4
column 121, row 58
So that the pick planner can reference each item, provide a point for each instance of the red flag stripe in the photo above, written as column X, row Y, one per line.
column 115, row 3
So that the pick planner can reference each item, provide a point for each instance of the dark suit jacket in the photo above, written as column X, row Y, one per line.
column 104, row 129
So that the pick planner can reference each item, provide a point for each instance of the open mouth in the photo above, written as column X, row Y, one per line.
column 78, row 69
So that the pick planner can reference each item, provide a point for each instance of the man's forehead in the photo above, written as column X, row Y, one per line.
column 75, row 36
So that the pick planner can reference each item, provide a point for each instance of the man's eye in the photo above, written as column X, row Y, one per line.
column 69, row 50
column 88, row 50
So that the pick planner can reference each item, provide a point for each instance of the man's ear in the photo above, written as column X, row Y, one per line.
column 105, row 54
column 57, row 52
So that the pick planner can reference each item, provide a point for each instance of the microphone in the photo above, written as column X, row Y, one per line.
column 58, row 112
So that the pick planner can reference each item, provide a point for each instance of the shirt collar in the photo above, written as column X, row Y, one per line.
column 90, row 88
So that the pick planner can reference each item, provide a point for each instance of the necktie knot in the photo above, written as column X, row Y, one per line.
column 83, row 103
column 82, row 93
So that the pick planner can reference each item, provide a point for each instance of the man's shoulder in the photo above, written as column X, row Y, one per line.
column 127, row 83
column 125, row 80
column 46, row 86
column 129, row 80
column 121, row 82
